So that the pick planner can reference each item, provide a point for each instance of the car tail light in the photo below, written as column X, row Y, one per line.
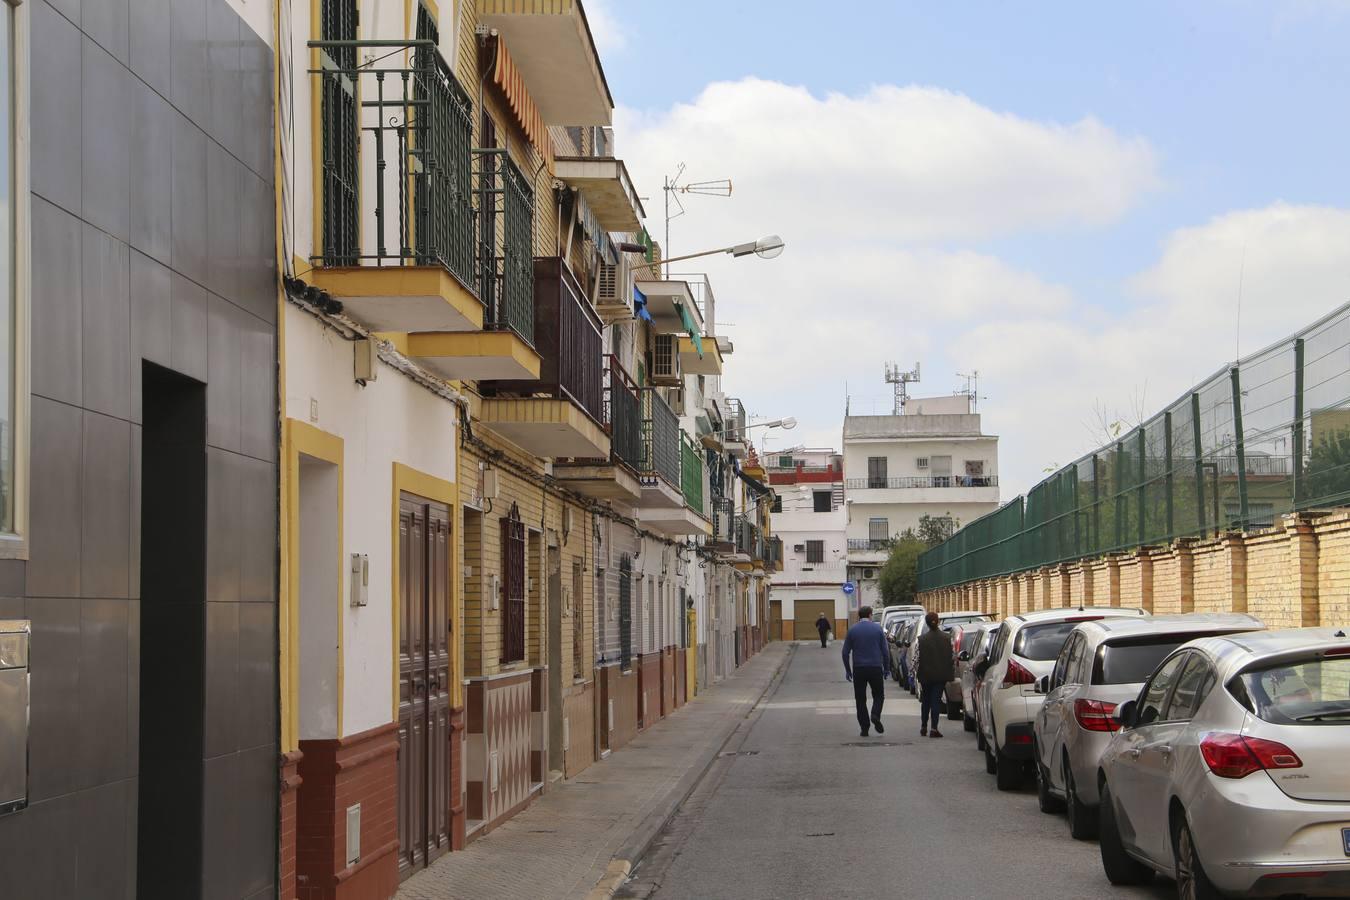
column 1017, row 674
column 1095, row 715
column 1336, row 652
column 1235, row 756
column 1085, row 619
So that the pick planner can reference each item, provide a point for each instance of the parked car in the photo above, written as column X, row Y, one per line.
column 948, row 622
column 902, row 611
column 1103, row 664
column 904, row 639
column 966, row 661
column 1026, row 649
column 964, row 637
column 1229, row 771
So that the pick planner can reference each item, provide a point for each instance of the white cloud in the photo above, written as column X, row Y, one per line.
column 894, row 164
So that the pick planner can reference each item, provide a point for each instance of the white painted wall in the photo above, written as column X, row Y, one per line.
column 390, row 420
column 257, row 14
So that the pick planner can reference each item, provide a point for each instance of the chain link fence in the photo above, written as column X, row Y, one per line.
column 1267, row 436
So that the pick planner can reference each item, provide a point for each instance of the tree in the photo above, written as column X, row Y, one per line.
column 933, row 530
column 899, row 580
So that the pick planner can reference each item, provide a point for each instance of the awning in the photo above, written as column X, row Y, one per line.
column 512, row 84
column 691, row 327
column 640, row 304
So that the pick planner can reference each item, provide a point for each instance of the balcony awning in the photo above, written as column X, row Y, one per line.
column 688, row 322
column 640, row 304
column 509, row 79
column 554, row 50
column 608, row 190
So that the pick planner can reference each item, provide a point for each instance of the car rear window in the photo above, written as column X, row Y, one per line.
column 1043, row 642
column 1132, row 661
column 1311, row 691
column 961, row 620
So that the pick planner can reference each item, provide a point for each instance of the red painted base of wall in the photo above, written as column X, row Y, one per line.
column 458, row 816
column 290, row 787
column 649, row 690
column 361, row 768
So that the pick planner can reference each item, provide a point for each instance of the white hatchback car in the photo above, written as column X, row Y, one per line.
column 1025, row 649
column 1103, row 664
column 1230, row 770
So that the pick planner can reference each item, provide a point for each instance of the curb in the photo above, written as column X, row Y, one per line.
column 627, row 857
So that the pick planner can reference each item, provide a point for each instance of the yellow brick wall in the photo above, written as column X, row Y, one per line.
column 1078, row 593
column 1131, row 582
column 1272, row 592
column 1166, row 582
column 1211, row 577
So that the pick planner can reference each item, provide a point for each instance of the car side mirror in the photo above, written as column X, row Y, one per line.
column 1127, row 713
column 1043, row 684
column 981, row 667
column 963, row 656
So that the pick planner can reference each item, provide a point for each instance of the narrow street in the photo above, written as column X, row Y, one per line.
column 804, row 807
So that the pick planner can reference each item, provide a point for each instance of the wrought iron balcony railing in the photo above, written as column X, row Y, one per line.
column 691, row 473
column 733, row 427
column 748, row 538
column 774, row 551
column 724, row 520
column 505, row 231
column 921, row 481
column 405, row 108
column 568, row 339
column 660, row 440
column 870, row 544
column 623, row 414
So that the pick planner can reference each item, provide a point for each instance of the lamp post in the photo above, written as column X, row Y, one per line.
column 768, row 247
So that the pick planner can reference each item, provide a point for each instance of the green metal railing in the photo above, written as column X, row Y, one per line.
column 506, row 247
column 1267, row 436
column 661, row 448
column 691, row 473
column 405, row 107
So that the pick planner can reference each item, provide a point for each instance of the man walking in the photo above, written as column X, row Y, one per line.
column 871, row 666
column 823, row 626
column 933, row 670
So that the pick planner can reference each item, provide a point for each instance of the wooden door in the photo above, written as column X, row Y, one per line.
column 425, row 758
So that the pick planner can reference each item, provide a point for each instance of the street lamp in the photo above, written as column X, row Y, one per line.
column 787, row 424
column 768, row 247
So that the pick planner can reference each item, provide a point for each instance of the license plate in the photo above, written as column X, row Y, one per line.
column 1345, row 839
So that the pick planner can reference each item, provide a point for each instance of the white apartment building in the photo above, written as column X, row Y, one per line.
column 933, row 460
column 810, row 517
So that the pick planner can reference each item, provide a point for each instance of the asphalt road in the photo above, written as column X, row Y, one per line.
column 800, row 806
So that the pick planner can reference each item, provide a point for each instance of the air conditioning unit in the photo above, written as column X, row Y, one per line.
column 666, row 360
column 798, row 548
column 614, row 290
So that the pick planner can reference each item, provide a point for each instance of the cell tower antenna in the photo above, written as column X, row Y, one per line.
column 673, row 189
column 902, row 381
column 972, row 389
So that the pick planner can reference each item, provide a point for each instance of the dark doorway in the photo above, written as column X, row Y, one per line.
column 424, row 682
column 173, row 634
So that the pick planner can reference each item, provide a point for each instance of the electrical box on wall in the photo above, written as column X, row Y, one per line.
column 365, row 361
column 14, row 635
column 353, row 834
column 495, row 590
column 360, row 579
column 490, row 484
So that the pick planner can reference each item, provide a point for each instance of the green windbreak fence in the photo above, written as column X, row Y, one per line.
column 1267, row 436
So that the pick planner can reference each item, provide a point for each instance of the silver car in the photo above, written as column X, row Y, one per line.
column 1103, row 664
column 966, row 661
column 948, row 622
column 1230, row 770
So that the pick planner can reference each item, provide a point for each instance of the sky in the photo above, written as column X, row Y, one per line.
column 1093, row 205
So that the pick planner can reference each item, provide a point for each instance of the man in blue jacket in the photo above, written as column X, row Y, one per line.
column 871, row 665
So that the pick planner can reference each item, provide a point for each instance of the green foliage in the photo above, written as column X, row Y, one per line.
column 899, row 581
column 933, row 530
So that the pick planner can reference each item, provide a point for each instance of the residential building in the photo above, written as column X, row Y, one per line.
column 933, row 459
column 478, row 344
column 138, row 526
column 811, row 520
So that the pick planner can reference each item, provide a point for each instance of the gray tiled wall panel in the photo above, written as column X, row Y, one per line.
column 153, row 239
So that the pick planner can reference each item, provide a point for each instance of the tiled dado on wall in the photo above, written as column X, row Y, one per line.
column 152, row 239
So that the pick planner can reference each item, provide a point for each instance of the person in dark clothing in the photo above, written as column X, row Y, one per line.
column 934, row 669
column 871, row 666
column 823, row 626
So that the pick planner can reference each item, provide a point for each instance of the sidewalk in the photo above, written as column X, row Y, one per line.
column 563, row 845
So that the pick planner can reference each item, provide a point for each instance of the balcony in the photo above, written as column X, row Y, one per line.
column 672, row 473
column 691, row 473
column 925, row 488
column 723, row 537
column 733, row 428
column 615, row 478
column 551, row 44
column 395, row 236
column 773, row 560
column 608, row 190
column 559, row 415
column 700, row 355
column 748, row 542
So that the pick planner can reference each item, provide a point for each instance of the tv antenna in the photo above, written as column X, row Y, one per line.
column 972, row 388
column 673, row 189
column 902, row 381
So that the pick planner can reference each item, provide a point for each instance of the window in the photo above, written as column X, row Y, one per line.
column 784, row 462
column 1259, row 515
column 876, row 471
column 1192, row 688
column 1043, row 642
column 822, row 500
column 1062, row 664
column 777, row 503
column 941, row 469
column 513, row 587
column 815, row 551
column 1308, row 691
column 1151, row 708
column 625, row 612
column 878, row 529
column 14, row 277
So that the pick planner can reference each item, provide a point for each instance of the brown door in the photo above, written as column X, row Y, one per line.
column 424, row 760
column 775, row 620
